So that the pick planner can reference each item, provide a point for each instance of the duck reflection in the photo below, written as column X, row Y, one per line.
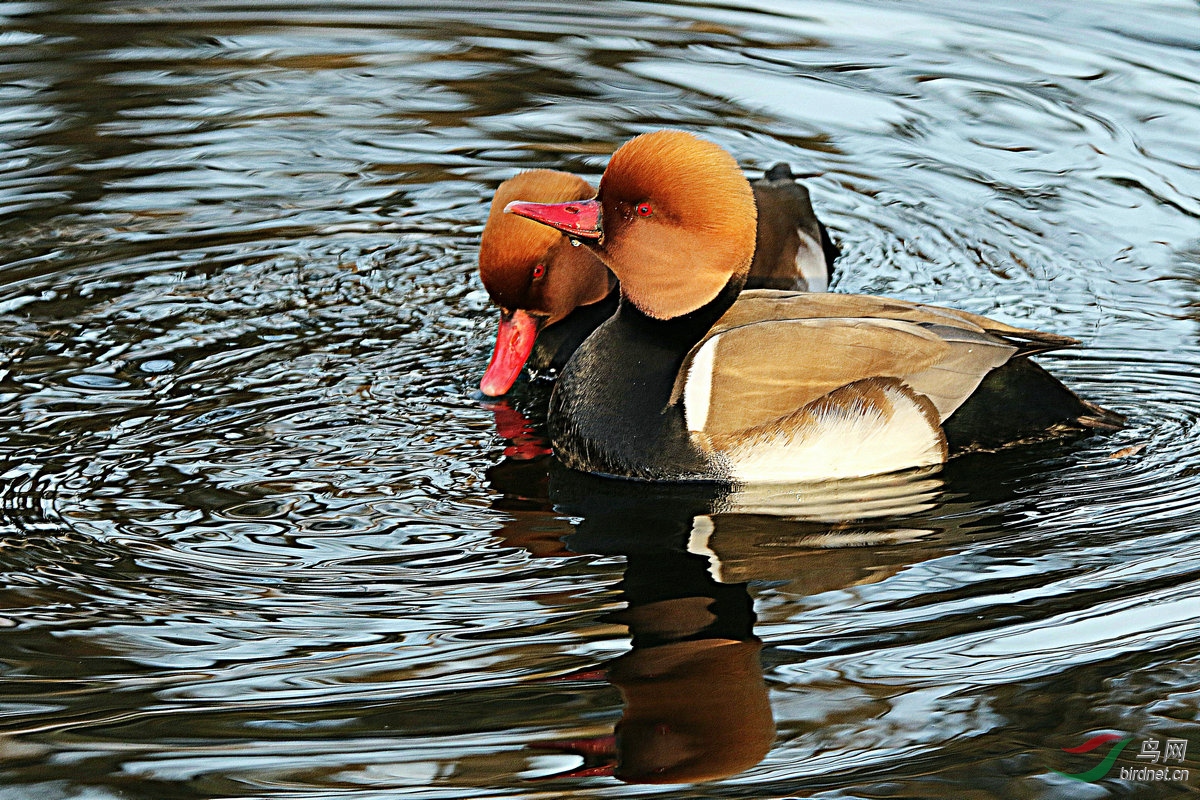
column 695, row 702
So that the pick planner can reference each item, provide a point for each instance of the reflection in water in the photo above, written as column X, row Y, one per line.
column 695, row 701
column 248, row 503
column 696, row 705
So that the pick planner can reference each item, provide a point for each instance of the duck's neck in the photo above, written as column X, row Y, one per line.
column 611, row 411
column 558, row 342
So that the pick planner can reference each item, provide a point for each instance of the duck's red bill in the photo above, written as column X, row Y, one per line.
column 577, row 218
column 514, row 342
column 601, row 771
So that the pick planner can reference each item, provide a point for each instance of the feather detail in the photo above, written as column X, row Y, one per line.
column 758, row 372
column 869, row 427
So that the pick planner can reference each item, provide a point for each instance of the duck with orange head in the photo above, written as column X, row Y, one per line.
column 552, row 295
column 692, row 379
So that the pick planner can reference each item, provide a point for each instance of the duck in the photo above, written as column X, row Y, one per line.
column 552, row 295
column 692, row 379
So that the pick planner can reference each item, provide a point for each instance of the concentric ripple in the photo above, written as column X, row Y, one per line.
column 260, row 538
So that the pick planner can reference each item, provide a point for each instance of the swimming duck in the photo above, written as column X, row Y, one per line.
column 691, row 379
column 552, row 295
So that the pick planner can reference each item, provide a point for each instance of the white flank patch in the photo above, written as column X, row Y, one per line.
column 697, row 388
column 851, row 442
column 810, row 263
column 702, row 531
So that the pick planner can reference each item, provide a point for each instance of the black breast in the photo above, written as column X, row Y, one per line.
column 611, row 411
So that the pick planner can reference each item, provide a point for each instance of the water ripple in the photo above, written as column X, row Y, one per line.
column 257, row 535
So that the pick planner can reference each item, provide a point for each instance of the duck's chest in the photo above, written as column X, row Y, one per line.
column 611, row 411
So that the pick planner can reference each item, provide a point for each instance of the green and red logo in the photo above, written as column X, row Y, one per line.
column 1100, row 770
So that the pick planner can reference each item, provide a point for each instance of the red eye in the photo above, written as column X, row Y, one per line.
column 644, row 210
column 539, row 271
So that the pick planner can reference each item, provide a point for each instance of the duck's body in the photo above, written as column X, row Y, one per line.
column 690, row 381
column 552, row 295
column 792, row 248
column 787, row 386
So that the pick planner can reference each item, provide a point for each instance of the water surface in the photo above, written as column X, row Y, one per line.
column 261, row 539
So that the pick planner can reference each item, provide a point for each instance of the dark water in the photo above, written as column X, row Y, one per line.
column 261, row 540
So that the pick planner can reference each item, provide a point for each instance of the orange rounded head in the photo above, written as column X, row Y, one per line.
column 674, row 220
column 532, row 272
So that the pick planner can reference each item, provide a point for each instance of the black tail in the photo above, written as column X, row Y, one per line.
column 1018, row 402
column 831, row 250
column 780, row 172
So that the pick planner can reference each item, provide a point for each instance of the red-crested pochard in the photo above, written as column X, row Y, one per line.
column 552, row 295
column 690, row 381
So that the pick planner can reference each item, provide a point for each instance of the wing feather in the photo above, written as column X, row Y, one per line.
column 757, row 372
column 995, row 343
column 763, row 304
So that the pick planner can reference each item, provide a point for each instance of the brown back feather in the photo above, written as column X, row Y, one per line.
column 777, row 351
